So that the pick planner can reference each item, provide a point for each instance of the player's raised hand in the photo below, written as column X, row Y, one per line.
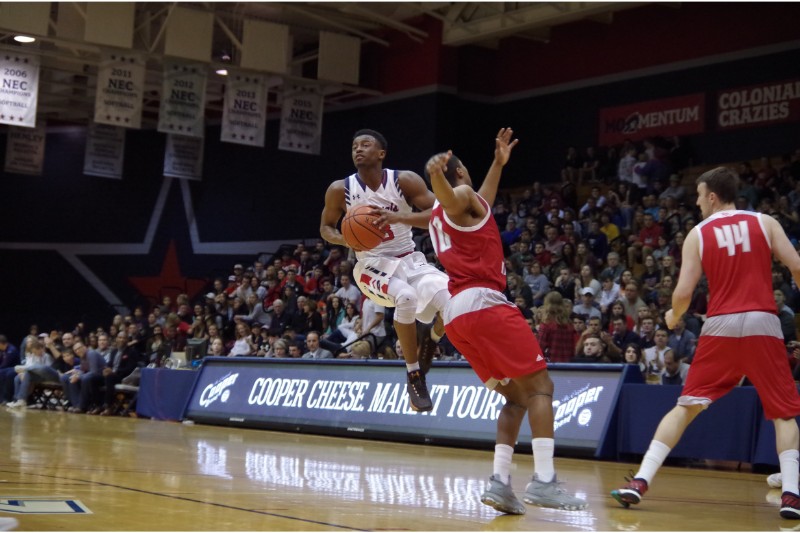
column 438, row 163
column 503, row 145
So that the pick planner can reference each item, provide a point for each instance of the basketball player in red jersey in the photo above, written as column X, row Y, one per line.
column 489, row 330
column 742, row 334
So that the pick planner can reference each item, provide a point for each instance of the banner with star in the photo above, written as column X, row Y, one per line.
column 25, row 150
column 19, row 89
column 301, row 120
column 120, row 90
column 244, row 114
column 184, row 157
column 183, row 99
column 105, row 151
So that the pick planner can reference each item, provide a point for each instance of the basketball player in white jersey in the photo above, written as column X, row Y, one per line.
column 391, row 274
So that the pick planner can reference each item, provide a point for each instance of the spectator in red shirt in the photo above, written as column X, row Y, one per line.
column 557, row 335
column 643, row 244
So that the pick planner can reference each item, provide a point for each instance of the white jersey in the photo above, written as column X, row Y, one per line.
column 399, row 240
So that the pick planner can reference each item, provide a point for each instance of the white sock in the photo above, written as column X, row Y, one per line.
column 656, row 453
column 412, row 366
column 543, row 459
column 502, row 462
column 789, row 462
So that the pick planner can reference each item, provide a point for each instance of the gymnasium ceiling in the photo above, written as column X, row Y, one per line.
column 69, row 65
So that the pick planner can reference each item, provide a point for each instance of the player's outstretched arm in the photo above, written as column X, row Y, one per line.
column 782, row 248
column 454, row 201
column 502, row 152
column 332, row 212
column 691, row 270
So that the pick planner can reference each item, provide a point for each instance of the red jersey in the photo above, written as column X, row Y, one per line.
column 473, row 257
column 737, row 260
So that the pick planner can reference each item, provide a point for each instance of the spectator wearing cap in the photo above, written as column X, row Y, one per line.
column 233, row 284
column 587, row 306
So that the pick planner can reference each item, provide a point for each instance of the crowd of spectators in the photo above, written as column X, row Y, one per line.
column 591, row 263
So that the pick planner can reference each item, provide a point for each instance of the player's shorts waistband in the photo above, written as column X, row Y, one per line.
column 749, row 324
column 471, row 300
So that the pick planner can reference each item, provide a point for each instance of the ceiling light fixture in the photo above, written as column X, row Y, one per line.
column 24, row 39
column 222, row 72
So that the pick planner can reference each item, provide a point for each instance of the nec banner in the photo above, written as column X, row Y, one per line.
column 681, row 115
column 363, row 400
column 758, row 105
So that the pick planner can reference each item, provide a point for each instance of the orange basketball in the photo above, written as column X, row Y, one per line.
column 358, row 229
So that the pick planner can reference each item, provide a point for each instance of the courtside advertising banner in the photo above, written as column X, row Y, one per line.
column 183, row 157
column 183, row 101
column 105, row 151
column 244, row 114
column 25, row 150
column 366, row 400
column 301, row 120
column 19, row 89
column 120, row 90
column 681, row 115
column 759, row 105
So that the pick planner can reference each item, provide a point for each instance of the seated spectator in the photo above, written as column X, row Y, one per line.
column 216, row 348
column 565, row 283
column 125, row 360
column 654, row 356
column 609, row 294
column 646, row 329
column 243, row 345
column 651, row 275
column 294, row 352
column 634, row 355
column 614, row 268
column 348, row 325
column 35, row 358
column 587, row 306
column 586, row 279
column 314, row 350
column 9, row 358
column 86, row 380
column 675, row 370
column 631, row 300
column 519, row 301
column 349, row 292
column 578, row 322
column 334, row 314
column 516, row 286
column 281, row 319
column 682, row 341
column 557, row 336
column 786, row 316
column 643, row 244
column 621, row 336
column 542, row 256
column 593, row 350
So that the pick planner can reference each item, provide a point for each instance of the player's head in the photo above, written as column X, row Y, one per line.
column 369, row 148
column 716, row 188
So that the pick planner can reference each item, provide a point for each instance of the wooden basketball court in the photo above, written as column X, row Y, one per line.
column 132, row 474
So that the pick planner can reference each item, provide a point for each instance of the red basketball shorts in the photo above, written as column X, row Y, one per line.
column 721, row 361
column 493, row 335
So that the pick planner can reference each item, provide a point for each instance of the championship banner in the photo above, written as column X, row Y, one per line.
column 25, row 150
column 19, row 89
column 105, row 151
column 244, row 115
column 184, row 157
column 301, row 120
column 183, row 99
column 758, row 105
column 681, row 115
column 120, row 89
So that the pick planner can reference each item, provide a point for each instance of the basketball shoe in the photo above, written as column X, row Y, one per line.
column 418, row 392
column 632, row 492
column 499, row 496
column 427, row 346
column 551, row 495
column 790, row 506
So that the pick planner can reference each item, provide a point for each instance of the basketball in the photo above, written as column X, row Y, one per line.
column 358, row 230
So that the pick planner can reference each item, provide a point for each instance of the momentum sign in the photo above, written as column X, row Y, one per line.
column 681, row 115
column 370, row 400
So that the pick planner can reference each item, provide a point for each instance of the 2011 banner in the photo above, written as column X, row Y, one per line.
column 120, row 90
